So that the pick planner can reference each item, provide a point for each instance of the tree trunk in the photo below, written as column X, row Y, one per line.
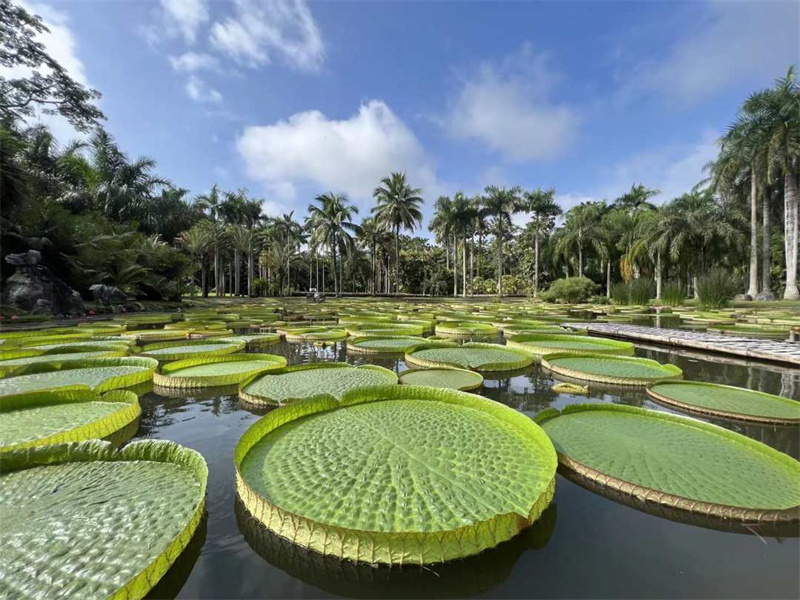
column 472, row 265
column 536, row 264
column 397, row 258
column 608, row 278
column 335, row 271
column 455, row 267
column 237, row 262
column 694, row 286
column 323, row 276
column 766, row 248
column 204, row 278
column 580, row 261
column 790, row 234
column 500, row 265
column 464, row 268
column 250, row 266
column 217, row 278
column 752, row 288
column 659, row 272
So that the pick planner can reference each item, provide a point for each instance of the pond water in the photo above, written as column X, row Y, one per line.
column 584, row 545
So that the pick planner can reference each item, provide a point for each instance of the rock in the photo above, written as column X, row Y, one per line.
column 743, row 297
column 117, row 308
column 33, row 282
column 42, row 307
column 108, row 295
column 138, row 307
column 765, row 297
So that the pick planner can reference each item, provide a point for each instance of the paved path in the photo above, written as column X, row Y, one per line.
column 761, row 349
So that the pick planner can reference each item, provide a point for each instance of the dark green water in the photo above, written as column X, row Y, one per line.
column 585, row 545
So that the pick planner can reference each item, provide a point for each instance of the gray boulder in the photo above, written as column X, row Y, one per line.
column 108, row 295
column 765, row 297
column 743, row 297
column 33, row 282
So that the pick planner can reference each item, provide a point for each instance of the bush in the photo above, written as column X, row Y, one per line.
column 571, row 290
column 621, row 293
column 642, row 290
column 715, row 289
column 513, row 285
column 673, row 293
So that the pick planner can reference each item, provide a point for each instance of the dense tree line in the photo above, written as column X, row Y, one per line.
column 101, row 216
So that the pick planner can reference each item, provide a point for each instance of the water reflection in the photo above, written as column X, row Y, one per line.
column 453, row 579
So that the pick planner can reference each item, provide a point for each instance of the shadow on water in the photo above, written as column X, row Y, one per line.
column 173, row 580
column 452, row 579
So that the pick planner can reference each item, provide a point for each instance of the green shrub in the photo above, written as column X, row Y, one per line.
column 715, row 289
column 571, row 290
column 642, row 290
column 673, row 293
column 621, row 293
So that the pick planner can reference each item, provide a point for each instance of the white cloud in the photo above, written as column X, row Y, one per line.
column 187, row 15
column 261, row 29
column 61, row 44
column 508, row 107
column 349, row 155
column 190, row 62
column 199, row 91
column 673, row 169
column 734, row 42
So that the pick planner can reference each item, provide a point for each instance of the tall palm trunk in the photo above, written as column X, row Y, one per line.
column 790, row 233
column 464, row 267
column 608, row 278
column 766, row 249
column 472, row 265
column 455, row 267
column 752, row 288
column 397, row 258
column 237, row 265
column 580, row 260
column 500, row 264
column 217, row 278
column 659, row 271
column 536, row 264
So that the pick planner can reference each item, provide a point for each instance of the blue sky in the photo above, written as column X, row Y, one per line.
column 291, row 98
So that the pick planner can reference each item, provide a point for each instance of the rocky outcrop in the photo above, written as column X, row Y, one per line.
column 35, row 287
column 108, row 295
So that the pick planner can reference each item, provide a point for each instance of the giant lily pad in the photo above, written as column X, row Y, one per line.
column 578, row 344
column 619, row 370
column 481, row 357
column 254, row 341
column 465, row 329
column 383, row 345
column 659, row 458
column 68, row 415
column 329, row 380
column 396, row 474
column 182, row 350
column 8, row 367
column 214, row 371
column 99, row 374
column 726, row 401
column 87, row 521
column 313, row 334
column 450, row 378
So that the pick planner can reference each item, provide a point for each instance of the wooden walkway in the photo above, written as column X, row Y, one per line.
column 760, row 349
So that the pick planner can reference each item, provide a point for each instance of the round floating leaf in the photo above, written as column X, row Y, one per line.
column 726, row 401
column 182, row 350
column 384, row 329
column 55, row 361
column 214, row 371
column 465, row 329
column 99, row 374
column 313, row 334
column 69, row 415
column 121, row 517
column 254, row 341
column 686, row 464
column 315, row 380
column 576, row 344
column 450, row 378
column 411, row 474
column 64, row 348
column 481, row 357
column 619, row 370
column 383, row 345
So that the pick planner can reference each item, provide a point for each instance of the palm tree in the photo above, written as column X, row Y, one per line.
column 499, row 204
column 210, row 204
column 372, row 236
column 463, row 218
column 242, row 240
column 580, row 229
column 197, row 242
column 778, row 108
column 398, row 207
column 544, row 210
column 331, row 222
column 444, row 225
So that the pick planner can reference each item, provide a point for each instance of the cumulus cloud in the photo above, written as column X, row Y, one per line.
column 673, row 169
column 261, row 29
column 733, row 42
column 199, row 91
column 187, row 15
column 190, row 62
column 348, row 155
column 508, row 106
